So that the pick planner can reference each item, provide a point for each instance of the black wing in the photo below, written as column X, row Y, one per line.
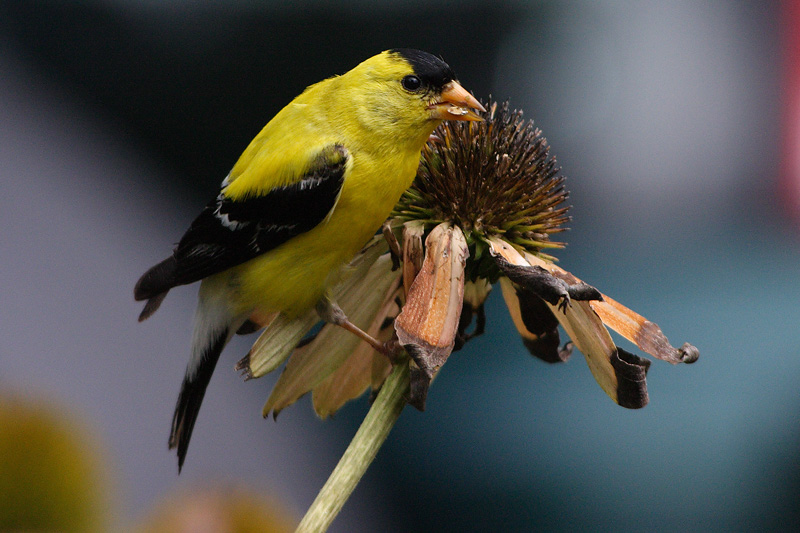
column 230, row 232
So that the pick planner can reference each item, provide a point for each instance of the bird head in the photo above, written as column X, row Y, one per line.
column 434, row 82
column 407, row 93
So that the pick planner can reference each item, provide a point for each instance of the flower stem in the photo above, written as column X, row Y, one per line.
column 367, row 441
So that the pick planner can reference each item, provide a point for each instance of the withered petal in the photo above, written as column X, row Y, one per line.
column 476, row 292
column 689, row 353
column 619, row 378
column 413, row 253
column 537, row 279
column 275, row 344
column 628, row 323
column 348, row 381
column 360, row 370
column 394, row 244
column 622, row 379
column 548, row 287
column 427, row 325
column 631, row 373
column 643, row 333
column 420, row 382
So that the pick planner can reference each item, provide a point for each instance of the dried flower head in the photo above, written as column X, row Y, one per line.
column 487, row 199
column 491, row 179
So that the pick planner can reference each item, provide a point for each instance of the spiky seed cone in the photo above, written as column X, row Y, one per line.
column 491, row 178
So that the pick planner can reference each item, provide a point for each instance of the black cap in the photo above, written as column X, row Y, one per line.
column 432, row 71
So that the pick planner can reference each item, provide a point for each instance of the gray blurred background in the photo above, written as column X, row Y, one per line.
column 118, row 120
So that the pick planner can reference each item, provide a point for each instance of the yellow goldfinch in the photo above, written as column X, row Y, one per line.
column 307, row 193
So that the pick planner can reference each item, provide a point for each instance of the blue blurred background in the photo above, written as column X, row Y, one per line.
column 118, row 120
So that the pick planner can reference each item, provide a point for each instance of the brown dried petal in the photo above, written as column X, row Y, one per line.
column 413, row 254
column 622, row 377
column 427, row 325
column 545, row 285
column 275, row 344
column 630, row 324
column 476, row 292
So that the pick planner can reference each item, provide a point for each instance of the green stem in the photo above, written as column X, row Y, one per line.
column 359, row 454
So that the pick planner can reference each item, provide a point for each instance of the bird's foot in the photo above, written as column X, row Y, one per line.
column 330, row 312
column 390, row 349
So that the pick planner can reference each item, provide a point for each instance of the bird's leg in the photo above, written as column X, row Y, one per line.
column 330, row 312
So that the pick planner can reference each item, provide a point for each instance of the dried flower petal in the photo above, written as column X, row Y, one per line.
column 360, row 370
column 631, row 325
column 427, row 325
column 620, row 374
column 476, row 292
column 643, row 333
column 538, row 279
column 275, row 344
column 413, row 253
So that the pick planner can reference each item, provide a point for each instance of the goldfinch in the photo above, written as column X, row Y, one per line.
column 307, row 193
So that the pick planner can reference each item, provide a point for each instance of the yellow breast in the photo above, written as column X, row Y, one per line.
column 293, row 277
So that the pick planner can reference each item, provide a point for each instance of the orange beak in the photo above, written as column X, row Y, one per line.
column 455, row 103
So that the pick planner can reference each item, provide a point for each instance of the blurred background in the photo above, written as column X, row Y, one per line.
column 678, row 126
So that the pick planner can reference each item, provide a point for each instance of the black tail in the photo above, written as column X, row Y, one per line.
column 198, row 374
column 154, row 285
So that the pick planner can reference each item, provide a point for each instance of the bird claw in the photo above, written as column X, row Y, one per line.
column 391, row 349
column 564, row 302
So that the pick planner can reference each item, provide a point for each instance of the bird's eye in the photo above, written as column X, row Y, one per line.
column 411, row 83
